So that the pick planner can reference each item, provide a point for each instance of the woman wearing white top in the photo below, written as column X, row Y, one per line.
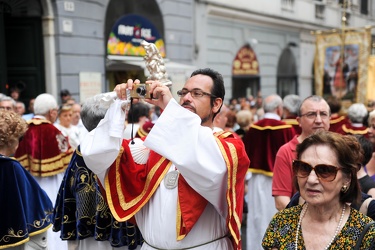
column 65, row 126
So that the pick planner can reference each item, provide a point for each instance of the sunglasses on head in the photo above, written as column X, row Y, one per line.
column 324, row 172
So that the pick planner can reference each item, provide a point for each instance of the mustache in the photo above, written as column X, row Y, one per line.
column 187, row 105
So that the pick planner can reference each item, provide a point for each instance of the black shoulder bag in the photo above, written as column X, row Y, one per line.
column 364, row 231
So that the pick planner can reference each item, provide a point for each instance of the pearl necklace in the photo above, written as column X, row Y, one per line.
column 334, row 236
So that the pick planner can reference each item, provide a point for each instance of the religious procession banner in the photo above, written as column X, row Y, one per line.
column 341, row 63
column 371, row 79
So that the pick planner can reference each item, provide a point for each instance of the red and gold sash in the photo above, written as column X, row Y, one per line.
column 129, row 187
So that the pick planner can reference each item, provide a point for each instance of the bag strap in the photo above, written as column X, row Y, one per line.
column 364, row 231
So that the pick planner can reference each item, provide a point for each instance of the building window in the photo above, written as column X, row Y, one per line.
column 287, row 5
column 319, row 10
column 364, row 7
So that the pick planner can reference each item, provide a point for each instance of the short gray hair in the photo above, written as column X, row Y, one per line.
column 292, row 103
column 44, row 103
column 357, row 112
column 8, row 98
column 92, row 111
column 313, row 98
column 270, row 103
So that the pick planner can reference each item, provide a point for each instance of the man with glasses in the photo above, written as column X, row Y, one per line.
column 7, row 102
column 313, row 115
column 262, row 141
column 184, row 184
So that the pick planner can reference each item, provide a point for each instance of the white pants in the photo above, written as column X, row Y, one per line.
column 262, row 208
column 36, row 242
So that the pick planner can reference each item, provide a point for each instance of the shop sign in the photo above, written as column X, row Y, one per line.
column 127, row 34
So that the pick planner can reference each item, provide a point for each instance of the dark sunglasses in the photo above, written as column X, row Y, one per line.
column 323, row 171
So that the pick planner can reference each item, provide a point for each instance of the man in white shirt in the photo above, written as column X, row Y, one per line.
column 184, row 184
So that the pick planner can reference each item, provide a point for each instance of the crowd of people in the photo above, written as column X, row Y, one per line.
column 195, row 173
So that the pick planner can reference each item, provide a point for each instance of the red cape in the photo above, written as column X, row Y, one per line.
column 44, row 150
column 129, row 187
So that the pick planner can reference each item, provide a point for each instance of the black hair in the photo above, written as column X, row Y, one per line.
column 64, row 92
column 218, row 89
column 138, row 110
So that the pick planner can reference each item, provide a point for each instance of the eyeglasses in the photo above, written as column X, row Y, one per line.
column 7, row 108
column 195, row 93
column 324, row 172
column 313, row 115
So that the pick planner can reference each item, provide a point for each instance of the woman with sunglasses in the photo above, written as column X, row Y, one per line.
column 325, row 174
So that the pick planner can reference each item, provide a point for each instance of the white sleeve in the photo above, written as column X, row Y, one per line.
column 101, row 146
column 179, row 136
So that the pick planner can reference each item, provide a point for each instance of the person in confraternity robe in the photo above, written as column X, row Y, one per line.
column 184, row 183
column 357, row 113
column 81, row 212
column 262, row 142
column 45, row 152
column 26, row 210
column 337, row 119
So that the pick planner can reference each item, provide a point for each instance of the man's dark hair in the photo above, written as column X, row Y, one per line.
column 366, row 145
column 138, row 110
column 218, row 89
column 64, row 92
column 334, row 104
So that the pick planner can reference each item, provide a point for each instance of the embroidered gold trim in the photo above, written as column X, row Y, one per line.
column 261, row 171
column 290, row 121
column 19, row 234
column 38, row 121
column 339, row 119
column 354, row 132
column 127, row 205
column 232, row 184
column 271, row 127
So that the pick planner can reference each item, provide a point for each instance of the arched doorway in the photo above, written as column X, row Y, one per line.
column 287, row 79
column 245, row 73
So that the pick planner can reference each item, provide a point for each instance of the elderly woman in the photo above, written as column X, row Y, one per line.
column 26, row 210
column 325, row 220
column 64, row 124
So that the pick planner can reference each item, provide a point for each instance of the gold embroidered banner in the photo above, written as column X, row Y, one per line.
column 371, row 79
column 339, row 70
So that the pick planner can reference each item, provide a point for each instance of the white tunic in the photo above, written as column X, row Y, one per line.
column 194, row 152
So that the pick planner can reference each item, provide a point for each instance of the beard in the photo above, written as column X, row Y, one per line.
column 192, row 109
column 205, row 119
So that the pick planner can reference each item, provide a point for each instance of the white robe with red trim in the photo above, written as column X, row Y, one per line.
column 195, row 152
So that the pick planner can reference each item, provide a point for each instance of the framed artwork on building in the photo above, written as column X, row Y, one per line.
column 341, row 62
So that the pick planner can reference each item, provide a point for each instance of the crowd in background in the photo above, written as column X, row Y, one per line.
column 249, row 119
